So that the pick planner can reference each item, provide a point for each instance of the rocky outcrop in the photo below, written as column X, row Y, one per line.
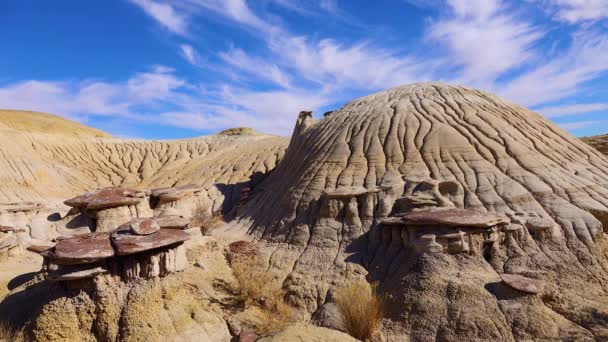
column 435, row 145
column 478, row 220
column 128, row 253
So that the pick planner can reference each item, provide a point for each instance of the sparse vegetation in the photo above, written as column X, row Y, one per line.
column 206, row 221
column 258, row 287
column 7, row 332
column 361, row 309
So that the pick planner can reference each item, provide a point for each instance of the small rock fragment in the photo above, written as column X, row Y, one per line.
column 140, row 226
column 522, row 283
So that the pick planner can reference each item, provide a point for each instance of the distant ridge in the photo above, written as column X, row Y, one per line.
column 37, row 122
column 600, row 142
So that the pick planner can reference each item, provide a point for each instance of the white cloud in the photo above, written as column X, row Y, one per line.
column 236, row 10
column 165, row 14
column 571, row 126
column 562, row 76
column 271, row 112
column 79, row 99
column 189, row 53
column 567, row 110
column 485, row 38
column 333, row 65
column 574, row 11
column 257, row 67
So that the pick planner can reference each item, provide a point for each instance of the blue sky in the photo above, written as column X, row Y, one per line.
column 168, row 69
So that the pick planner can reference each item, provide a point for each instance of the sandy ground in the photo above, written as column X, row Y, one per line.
column 17, row 270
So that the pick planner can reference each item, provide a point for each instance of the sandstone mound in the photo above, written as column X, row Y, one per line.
column 433, row 145
column 36, row 122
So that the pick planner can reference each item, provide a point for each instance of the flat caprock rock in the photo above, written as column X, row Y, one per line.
column 522, row 283
column 175, row 193
column 452, row 217
column 172, row 222
column 127, row 243
column 83, row 249
column 104, row 198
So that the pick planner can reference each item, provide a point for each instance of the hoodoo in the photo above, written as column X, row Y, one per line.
column 420, row 158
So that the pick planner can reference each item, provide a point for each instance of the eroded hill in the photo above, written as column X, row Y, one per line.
column 477, row 218
column 46, row 158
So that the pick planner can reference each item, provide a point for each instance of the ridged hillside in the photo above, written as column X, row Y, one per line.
column 46, row 158
column 337, row 201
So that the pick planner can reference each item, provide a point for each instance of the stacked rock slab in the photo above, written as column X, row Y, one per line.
column 450, row 230
column 138, row 249
column 111, row 207
column 182, row 200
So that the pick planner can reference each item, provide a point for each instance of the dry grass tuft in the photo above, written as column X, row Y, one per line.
column 7, row 332
column 361, row 309
column 207, row 222
column 258, row 287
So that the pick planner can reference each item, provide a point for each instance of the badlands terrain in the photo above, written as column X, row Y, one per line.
column 465, row 216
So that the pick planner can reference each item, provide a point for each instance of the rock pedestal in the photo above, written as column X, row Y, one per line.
column 449, row 230
column 139, row 249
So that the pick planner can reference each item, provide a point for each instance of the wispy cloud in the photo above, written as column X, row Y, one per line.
column 562, row 76
column 165, row 14
column 572, row 126
column 567, row 110
column 486, row 38
column 77, row 100
column 189, row 53
column 490, row 44
column 574, row 11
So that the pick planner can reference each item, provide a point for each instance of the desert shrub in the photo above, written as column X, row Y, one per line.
column 241, row 249
column 205, row 220
column 259, row 288
column 360, row 308
column 7, row 332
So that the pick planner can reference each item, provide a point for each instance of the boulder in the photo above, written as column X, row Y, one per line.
column 127, row 243
column 522, row 283
column 141, row 226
